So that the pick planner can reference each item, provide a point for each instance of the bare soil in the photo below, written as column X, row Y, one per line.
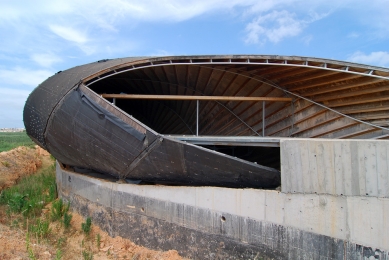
column 19, row 162
column 71, row 243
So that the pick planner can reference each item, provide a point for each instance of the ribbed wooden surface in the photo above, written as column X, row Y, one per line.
column 359, row 91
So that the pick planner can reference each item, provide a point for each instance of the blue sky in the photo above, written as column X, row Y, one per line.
column 39, row 38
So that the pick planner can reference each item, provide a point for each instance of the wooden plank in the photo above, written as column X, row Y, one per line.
column 363, row 110
column 357, row 83
column 353, row 101
column 350, row 94
column 323, row 82
column 207, row 98
column 315, row 75
column 356, row 133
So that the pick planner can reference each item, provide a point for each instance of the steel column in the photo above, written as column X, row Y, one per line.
column 197, row 118
column 263, row 118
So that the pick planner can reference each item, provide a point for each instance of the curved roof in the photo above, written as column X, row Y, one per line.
column 116, row 116
column 348, row 100
column 331, row 99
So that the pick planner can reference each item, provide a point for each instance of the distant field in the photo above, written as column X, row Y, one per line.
column 9, row 141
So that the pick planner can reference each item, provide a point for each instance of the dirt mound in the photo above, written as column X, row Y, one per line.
column 13, row 244
column 19, row 162
column 72, row 243
column 109, row 248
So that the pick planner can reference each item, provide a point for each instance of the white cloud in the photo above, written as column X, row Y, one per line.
column 353, row 35
column 274, row 27
column 69, row 34
column 46, row 59
column 379, row 58
column 307, row 39
column 80, row 39
column 23, row 76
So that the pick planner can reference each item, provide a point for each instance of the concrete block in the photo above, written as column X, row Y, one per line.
column 371, row 168
column 252, row 203
column 275, row 214
column 337, row 167
column 383, row 169
column 305, row 168
column 226, row 200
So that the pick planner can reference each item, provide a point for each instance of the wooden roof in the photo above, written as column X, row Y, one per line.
column 329, row 99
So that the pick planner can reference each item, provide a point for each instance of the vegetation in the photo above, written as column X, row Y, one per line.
column 31, row 254
column 58, row 254
column 5, row 163
column 86, row 226
column 87, row 255
column 98, row 240
column 24, row 203
column 59, row 209
column 41, row 229
column 10, row 140
column 31, row 194
column 66, row 220
column 25, row 206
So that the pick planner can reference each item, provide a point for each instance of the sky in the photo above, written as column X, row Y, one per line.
column 41, row 37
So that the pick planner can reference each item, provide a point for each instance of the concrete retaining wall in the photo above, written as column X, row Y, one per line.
column 337, row 167
column 223, row 223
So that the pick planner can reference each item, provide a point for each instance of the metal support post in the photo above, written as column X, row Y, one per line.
column 263, row 118
column 197, row 118
column 114, row 101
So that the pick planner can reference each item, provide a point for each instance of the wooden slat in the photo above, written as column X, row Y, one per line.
column 357, row 133
column 312, row 76
column 358, row 83
column 350, row 94
column 341, row 103
column 207, row 98
column 323, row 81
column 374, row 108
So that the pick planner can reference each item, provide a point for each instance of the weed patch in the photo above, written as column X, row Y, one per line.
column 58, row 209
column 86, row 255
column 98, row 240
column 31, row 194
column 5, row 163
column 41, row 229
column 58, row 254
column 67, row 218
column 31, row 254
column 86, row 226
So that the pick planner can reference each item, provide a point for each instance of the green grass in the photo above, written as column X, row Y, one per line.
column 31, row 194
column 9, row 141
column 58, row 209
column 66, row 219
column 87, row 255
column 86, row 227
column 41, row 229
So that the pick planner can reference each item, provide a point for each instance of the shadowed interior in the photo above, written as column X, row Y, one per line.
column 351, row 93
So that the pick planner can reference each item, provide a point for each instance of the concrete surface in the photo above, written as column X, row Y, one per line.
column 337, row 167
column 219, row 223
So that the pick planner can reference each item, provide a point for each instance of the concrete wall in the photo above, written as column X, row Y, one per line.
column 218, row 223
column 337, row 167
